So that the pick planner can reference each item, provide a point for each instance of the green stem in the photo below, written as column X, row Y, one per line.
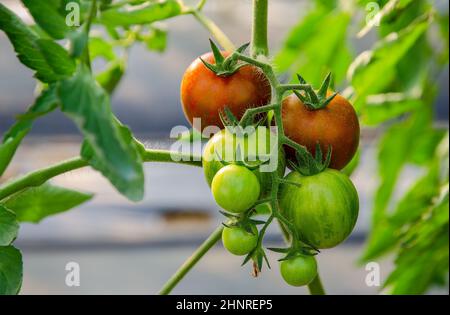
column 316, row 287
column 201, row 4
column 41, row 176
column 87, row 28
column 260, row 43
column 215, row 31
column 191, row 261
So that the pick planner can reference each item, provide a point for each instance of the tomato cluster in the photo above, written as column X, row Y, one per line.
column 321, row 206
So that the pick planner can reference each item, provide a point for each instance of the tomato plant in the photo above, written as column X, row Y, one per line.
column 239, row 241
column 393, row 84
column 299, row 271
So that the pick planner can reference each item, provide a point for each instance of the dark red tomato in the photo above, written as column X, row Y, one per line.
column 336, row 125
column 204, row 94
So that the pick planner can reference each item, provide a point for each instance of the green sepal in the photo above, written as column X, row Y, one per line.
column 309, row 165
column 224, row 67
column 316, row 100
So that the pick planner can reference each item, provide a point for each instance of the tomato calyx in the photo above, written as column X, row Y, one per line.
column 257, row 255
column 316, row 100
column 295, row 251
column 224, row 67
column 309, row 165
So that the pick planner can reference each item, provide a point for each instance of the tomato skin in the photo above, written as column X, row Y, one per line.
column 324, row 209
column 204, row 94
column 235, row 188
column 299, row 271
column 238, row 241
column 220, row 143
column 336, row 125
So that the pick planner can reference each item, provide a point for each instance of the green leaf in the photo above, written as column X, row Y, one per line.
column 385, row 107
column 110, row 78
column 37, row 203
column 11, row 270
column 142, row 15
column 312, row 50
column 45, row 103
column 47, row 16
column 50, row 61
column 88, row 105
column 9, row 227
column 156, row 40
column 374, row 71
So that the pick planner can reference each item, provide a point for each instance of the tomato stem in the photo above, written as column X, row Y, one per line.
column 215, row 30
column 192, row 261
column 41, row 176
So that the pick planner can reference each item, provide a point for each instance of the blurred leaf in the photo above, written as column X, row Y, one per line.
column 313, row 51
column 383, row 238
column 424, row 257
column 50, row 61
column 156, row 40
column 374, row 71
column 110, row 78
column 37, row 203
column 47, row 16
column 143, row 15
column 45, row 103
column 89, row 107
column 11, row 270
column 8, row 226
column 384, row 107
column 98, row 47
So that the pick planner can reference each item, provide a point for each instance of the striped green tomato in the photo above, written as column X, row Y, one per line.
column 324, row 208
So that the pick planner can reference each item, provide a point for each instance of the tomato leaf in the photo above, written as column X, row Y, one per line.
column 11, row 270
column 107, row 148
column 45, row 103
column 50, row 61
column 37, row 203
column 143, row 15
column 9, row 227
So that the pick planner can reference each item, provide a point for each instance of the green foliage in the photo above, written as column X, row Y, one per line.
column 11, row 269
column 35, row 204
column 152, row 12
column 44, row 104
column 393, row 85
column 50, row 61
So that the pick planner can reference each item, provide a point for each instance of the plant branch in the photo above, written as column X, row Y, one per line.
column 41, row 176
column 191, row 261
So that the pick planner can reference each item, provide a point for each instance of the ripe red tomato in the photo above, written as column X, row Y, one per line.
column 337, row 125
column 204, row 94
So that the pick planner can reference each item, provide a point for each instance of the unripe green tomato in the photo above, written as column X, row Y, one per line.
column 238, row 241
column 299, row 271
column 323, row 208
column 235, row 188
column 223, row 145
